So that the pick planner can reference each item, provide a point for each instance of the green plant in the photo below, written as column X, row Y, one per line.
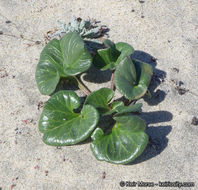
column 112, row 55
column 117, row 133
column 66, row 57
column 62, row 125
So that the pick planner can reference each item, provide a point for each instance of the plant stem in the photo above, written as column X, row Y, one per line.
column 128, row 102
column 112, row 81
column 82, row 86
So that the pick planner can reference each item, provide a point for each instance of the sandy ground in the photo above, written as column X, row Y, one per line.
column 168, row 31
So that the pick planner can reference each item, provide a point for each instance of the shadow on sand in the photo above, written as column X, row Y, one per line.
column 157, row 135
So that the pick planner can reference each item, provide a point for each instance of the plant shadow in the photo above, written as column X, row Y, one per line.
column 157, row 135
column 157, row 78
column 65, row 84
column 157, row 143
column 156, row 117
column 97, row 76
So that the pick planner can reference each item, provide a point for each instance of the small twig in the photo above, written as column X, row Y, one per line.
column 21, row 37
column 112, row 81
column 130, row 102
column 82, row 86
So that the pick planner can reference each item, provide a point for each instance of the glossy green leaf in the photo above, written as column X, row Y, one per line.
column 116, row 104
column 76, row 58
column 100, row 99
column 61, row 125
column 124, row 144
column 144, row 72
column 106, row 58
column 120, row 108
column 125, row 49
column 110, row 57
column 132, row 78
column 109, row 44
column 61, row 58
column 50, row 67
column 127, row 109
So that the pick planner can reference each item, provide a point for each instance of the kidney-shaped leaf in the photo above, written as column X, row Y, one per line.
column 144, row 72
column 125, row 49
column 100, row 99
column 110, row 57
column 106, row 58
column 50, row 67
column 124, row 144
column 61, row 125
column 61, row 58
column 132, row 78
column 76, row 58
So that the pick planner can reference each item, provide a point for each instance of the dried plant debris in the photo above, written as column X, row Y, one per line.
column 194, row 121
column 103, row 175
column 17, row 131
column 3, row 73
column 36, row 167
column 85, row 28
column 27, row 121
column 7, row 21
column 50, row 35
column 46, row 172
column 32, row 44
column 38, row 42
column 40, row 105
column 22, row 131
column 181, row 90
column 175, row 69
column 177, row 84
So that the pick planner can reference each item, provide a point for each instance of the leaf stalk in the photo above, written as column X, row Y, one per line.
column 112, row 81
column 82, row 86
